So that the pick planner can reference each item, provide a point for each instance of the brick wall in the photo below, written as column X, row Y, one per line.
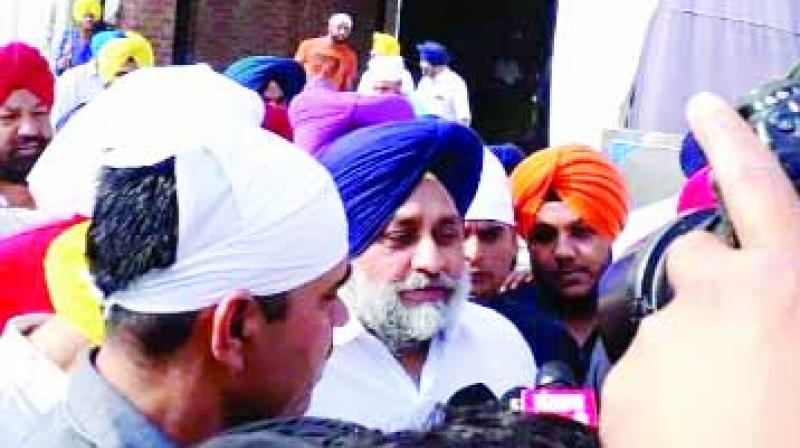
column 220, row 31
column 155, row 19
column 229, row 29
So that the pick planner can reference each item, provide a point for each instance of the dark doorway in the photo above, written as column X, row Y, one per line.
column 185, row 25
column 502, row 49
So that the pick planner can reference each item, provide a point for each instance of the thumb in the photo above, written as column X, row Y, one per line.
column 691, row 256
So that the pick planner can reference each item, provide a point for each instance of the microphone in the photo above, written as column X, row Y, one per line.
column 473, row 395
column 556, row 374
column 512, row 398
column 556, row 393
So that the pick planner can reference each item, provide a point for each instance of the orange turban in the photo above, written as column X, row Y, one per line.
column 581, row 177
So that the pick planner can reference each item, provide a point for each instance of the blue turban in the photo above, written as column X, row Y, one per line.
column 434, row 53
column 509, row 155
column 377, row 168
column 692, row 157
column 100, row 39
column 255, row 72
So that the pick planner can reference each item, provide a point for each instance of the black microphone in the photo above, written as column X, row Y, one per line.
column 512, row 396
column 473, row 395
column 556, row 374
column 551, row 374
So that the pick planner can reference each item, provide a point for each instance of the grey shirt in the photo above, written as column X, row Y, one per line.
column 94, row 414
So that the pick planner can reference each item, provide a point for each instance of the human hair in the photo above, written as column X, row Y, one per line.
column 134, row 229
column 157, row 335
column 469, row 427
column 491, row 427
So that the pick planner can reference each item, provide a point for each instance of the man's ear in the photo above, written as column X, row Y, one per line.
column 233, row 325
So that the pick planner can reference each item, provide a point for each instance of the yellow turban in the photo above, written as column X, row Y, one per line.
column 83, row 8
column 116, row 54
column 385, row 45
column 72, row 292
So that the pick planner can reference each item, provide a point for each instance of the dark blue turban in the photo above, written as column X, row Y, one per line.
column 509, row 155
column 255, row 72
column 692, row 157
column 434, row 53
column 377, row 168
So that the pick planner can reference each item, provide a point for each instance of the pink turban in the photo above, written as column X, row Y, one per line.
column 697, row 193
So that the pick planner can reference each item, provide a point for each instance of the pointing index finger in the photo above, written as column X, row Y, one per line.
column 760, row 199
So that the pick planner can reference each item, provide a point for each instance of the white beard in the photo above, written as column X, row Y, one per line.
column 379, row 308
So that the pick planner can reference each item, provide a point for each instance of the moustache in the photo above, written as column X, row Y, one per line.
column 27, row 147
column 417, row 281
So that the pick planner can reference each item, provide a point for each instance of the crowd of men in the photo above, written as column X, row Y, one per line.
column 184, row 251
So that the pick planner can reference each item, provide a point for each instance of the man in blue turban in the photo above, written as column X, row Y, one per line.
column 441, row 92
column 413, row 339
column 277, row 80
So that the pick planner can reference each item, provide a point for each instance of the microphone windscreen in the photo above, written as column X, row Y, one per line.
column 556, row 374
column 515, row 393
column 472, row 395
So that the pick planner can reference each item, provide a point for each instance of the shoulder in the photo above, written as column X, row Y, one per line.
column 485, row 324
column 454, row 78
column 521, row 300
column 304, row 45
column 314, row 42
column 484, row 334
column 54, row 429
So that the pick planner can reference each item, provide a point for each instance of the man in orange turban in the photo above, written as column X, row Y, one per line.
column 570, row 203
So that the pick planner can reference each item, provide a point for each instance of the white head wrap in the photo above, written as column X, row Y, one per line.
column 493, row 199
column 154, row 112
column 254, row 212
column 386, row 68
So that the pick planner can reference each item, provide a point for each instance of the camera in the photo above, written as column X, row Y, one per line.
column 636, row 285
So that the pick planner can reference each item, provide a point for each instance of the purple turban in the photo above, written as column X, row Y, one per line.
column 377, row 168
column 320, row 116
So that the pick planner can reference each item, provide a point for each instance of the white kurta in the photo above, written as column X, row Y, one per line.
column 364, row 383
column 30, row 384
column 444, row 96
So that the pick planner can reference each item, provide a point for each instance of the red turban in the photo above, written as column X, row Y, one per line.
column 23, row 67
column 582, row 178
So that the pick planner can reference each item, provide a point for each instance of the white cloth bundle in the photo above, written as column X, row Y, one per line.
column 154, row 112
column 254, row 211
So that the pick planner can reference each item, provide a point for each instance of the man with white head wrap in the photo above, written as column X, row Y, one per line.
column 415, row 339
column 386, row 72
column 490, row 240
column 219, row 289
